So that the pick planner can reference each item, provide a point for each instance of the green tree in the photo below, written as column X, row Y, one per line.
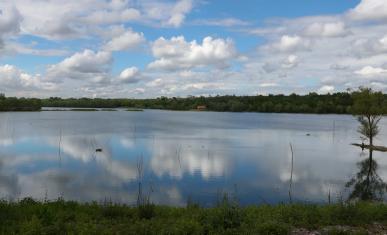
column 368, row 108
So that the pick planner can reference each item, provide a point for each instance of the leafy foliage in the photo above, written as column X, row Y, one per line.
column 19, row 104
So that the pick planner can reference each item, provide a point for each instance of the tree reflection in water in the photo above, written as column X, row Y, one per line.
column 367, row 185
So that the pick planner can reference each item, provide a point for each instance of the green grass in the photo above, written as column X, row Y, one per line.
column 66, row 217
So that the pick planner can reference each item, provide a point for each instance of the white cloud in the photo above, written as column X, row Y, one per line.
column 177, row 53
column 335, row 29
column 370, row 71
column 268, row 84
column 130, row 75
column 114, row 16
column 167, row 13
column 326, row 89
column 290, row 62
column 12, row 48
column 125, row 41
column 291, row 43
column 14, row 79
column 296, row 54
column 369, row 10
column 370, row 46
column 179, row 12
column 89, row 65
column 57, row 20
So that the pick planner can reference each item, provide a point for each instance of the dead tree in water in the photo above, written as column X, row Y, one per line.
column 140, row 173
column 291, row 175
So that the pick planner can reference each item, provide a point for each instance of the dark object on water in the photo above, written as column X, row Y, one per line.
column 372, row 147
column 98, row 150
column 307, row 134
column 362, row 146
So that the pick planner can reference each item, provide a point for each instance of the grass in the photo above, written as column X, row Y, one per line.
column 67, row 217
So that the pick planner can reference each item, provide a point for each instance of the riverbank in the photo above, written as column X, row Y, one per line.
column 61, row 217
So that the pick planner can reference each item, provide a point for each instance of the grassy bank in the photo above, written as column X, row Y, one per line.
column 60, row 217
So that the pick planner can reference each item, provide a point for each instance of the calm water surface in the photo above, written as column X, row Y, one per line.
column 196, row 155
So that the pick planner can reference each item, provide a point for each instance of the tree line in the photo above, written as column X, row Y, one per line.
column 339, row 103
column 19, row 104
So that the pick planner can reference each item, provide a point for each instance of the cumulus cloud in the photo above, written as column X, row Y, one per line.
column 290, row 62
column 179, row 12
column 167, row 14
column 9, row 20
column 125, row 41
column 9, row 24
column 335, row 29
column 87, row 65
column 296, row 54
column 289, row 43
column 78, row 19
column 370, row 71
column 130, row 75
column 113, row 16
column 370, row 46
column 177, row 53
column 326, row 89
column 286, row 63
column 14, row 79
column 369, row 10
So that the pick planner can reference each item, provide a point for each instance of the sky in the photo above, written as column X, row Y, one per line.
column 179, row 48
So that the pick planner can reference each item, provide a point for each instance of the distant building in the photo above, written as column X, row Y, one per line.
column 201, row 107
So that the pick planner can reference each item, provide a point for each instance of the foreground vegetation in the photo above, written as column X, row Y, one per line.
column 61, row 217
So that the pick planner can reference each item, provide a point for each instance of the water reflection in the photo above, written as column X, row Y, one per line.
column 188, row 158
column 186, row 155
column 367, row 185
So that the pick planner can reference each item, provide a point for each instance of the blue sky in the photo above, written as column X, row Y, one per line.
column 148, row 48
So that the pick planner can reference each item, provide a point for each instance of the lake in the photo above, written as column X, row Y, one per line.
column 183, row 155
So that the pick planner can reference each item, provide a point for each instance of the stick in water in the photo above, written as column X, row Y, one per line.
column 291, row 174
